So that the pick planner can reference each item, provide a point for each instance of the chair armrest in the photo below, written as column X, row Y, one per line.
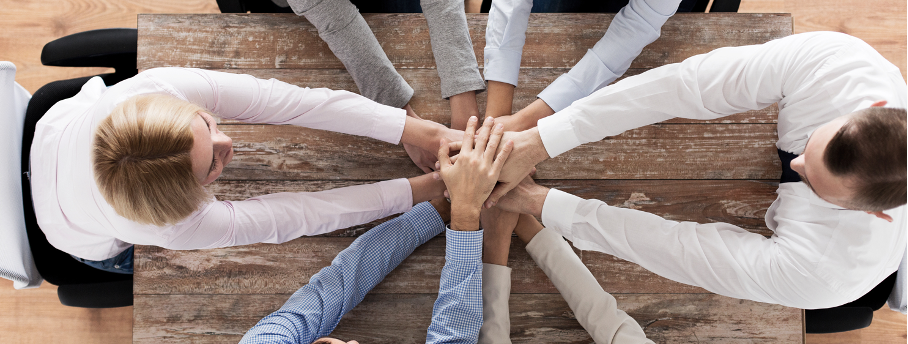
column 114, row 48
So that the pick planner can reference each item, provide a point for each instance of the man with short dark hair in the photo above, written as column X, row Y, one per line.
column 838, row 234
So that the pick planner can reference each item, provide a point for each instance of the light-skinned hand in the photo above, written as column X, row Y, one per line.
column 471, row 178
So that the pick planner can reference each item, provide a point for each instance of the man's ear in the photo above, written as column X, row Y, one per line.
column 880, row 214
column 879, row 103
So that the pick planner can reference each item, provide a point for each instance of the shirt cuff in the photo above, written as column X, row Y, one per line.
column 463, row 245
column 396, row 196
column 388, row 124
column 587, row 76
column 426, row 221
column 557, row 132
column 502, row 65
column 542, row 242
column 558, row 212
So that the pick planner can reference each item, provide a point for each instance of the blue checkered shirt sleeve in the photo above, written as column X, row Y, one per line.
column 316, row 308
column 457, row 314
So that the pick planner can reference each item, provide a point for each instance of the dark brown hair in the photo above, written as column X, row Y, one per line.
column 870, row 149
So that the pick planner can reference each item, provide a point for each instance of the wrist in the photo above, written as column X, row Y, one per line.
column 464, row 218
column 531, row 143
column 537, row 201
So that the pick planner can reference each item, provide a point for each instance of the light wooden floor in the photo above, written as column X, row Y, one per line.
column 36, row 316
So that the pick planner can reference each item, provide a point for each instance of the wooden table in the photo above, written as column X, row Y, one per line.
column 724, row 170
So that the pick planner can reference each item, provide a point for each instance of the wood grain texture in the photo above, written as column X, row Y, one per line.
column 277, row 269
column 535, row 318
column 660, row 151
column 739, row 202
column 289, row 41
column 427, row 100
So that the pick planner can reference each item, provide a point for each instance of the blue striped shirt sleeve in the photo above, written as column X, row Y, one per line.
column 316, row 308
column 457, row 314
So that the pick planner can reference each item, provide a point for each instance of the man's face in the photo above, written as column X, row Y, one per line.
column 833, row 189
column 335, row 341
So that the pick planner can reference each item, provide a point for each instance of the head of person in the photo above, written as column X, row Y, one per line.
column 858, row 161
column 327, row 340
column 153, row 156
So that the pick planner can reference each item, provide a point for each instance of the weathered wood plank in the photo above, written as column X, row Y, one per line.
column 275, row 269
column 553, row 40
column 535, row 318
column 739, row 202
column 660, row 151
column 427, row 100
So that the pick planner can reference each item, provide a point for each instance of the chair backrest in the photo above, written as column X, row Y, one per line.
column 16, row 261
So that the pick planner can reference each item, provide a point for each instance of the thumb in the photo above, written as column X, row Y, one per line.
column 497, row 193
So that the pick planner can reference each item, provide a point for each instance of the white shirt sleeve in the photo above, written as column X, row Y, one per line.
column 637, row 25
column 281, row 217
column 708, row 86
column 805, row 265
column 246, row 98
column 505, row 37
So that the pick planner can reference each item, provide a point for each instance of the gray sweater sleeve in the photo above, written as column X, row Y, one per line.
column 348, row 36
column 452, row 47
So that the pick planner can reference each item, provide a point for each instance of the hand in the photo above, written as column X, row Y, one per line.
column 528, row 151
column 423, row 159
column 527, row 198
column 471, row 178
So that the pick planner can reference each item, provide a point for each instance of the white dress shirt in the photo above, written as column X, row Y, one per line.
column 635, row 26
column 77, row 220
column 820, row 255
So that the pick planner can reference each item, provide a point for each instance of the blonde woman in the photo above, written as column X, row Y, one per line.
column 126, row 164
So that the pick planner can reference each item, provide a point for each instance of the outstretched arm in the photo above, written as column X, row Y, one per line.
column 457, row 314
column 596, row 310
column 316, row 308
column 348, row 36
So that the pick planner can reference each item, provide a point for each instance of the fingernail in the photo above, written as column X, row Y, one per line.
column 500, row 126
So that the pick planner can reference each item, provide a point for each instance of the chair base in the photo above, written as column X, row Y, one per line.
column 96, row 295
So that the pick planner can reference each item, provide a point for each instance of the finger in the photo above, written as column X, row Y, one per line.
column 454, row 158
column 533, row 171
column 436, row 175
column 502, row 157
column 443, row 159
column 447, row 195
column 437, row 165
column 499, row 191
column 494, row 140
column 455, row 146
column 425, row 169
column 467, row 145
column 482, row 136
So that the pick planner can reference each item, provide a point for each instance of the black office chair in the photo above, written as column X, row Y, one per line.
column 854, row 315
column 79, row 285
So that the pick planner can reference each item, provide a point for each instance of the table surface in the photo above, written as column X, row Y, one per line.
column 671, row 169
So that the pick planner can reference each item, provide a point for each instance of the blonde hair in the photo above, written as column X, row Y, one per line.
column 142, row 163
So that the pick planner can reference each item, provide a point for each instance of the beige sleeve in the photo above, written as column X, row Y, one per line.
column 596, row 310
column 496, row 320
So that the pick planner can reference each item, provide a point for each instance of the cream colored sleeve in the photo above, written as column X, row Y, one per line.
column 496, row 321
column 596, row 310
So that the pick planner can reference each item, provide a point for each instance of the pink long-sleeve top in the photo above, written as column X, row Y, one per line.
column 77, row 219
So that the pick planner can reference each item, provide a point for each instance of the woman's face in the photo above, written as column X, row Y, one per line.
column 211, row 150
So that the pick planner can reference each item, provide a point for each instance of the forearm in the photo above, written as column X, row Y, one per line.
column 348, row 36
column 595, row 309
column 500, row 100
column 527, row 117
column 463, row 106
column 452, row 47
column 496, row 289
column 337, row 288
column 457, row 313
